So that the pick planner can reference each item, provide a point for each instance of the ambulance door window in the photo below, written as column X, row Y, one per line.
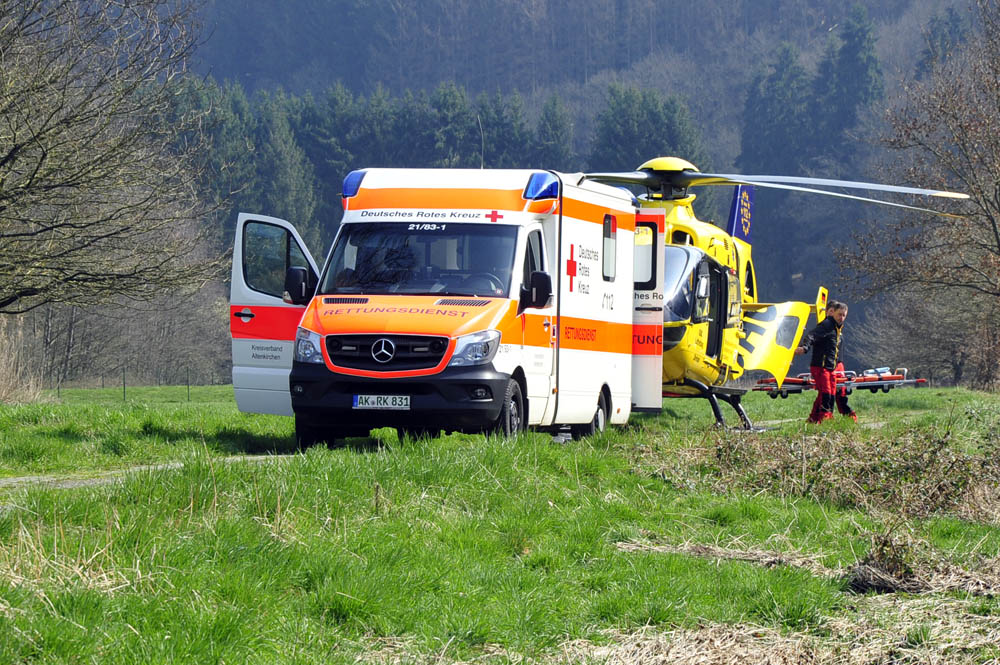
column 644, row 256
column 610, row 247
column 533, row 257
column 268, row 252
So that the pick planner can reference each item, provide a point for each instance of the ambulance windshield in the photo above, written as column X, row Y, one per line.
column 678, row 265
column 421, row 258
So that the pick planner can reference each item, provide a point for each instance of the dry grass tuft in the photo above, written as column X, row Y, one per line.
column 906, row 475
column 893, row 564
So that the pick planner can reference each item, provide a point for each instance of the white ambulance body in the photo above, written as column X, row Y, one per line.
column 462, row 300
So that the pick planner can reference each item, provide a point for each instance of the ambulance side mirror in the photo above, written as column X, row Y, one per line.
column 537, row 292
column 299, row 286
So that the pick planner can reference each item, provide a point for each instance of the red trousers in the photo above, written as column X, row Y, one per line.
column 826, row 386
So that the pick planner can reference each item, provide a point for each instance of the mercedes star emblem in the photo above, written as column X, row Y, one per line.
column 383, row 350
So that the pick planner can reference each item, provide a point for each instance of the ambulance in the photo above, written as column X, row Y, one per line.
column 454, row 300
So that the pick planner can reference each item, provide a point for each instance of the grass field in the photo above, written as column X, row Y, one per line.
column 159, row 529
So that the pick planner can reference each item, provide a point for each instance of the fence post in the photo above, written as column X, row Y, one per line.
column 123, row 382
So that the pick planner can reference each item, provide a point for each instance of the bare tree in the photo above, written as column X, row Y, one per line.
column 946, row 133
column 934, row 334
column 98, row 196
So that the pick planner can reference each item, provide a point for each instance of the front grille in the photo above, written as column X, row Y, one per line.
column 408, row 351
column 460, row 302
column 345, row 301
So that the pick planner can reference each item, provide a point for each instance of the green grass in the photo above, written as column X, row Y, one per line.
column 440, row 545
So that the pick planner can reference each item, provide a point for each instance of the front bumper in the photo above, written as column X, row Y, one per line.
column 445, row 401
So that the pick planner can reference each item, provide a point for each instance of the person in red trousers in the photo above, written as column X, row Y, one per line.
column 824, row 340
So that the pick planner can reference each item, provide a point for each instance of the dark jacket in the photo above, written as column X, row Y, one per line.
column 824, row 340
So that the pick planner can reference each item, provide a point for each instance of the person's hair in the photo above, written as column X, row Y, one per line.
column 835, row 305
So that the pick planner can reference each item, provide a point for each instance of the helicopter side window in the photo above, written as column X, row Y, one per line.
column 681, row 238
column 610, row 247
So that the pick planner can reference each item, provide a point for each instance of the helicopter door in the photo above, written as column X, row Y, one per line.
column 714, row 304
column 647, row 312
column 261, row 323
column 772, row 331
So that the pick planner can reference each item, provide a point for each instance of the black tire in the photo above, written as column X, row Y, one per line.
column 306, row 435
column 597, row 424
column 511, row 419
column 773, row 395
column 784, row 394
column 874, row 390
column 885, row 389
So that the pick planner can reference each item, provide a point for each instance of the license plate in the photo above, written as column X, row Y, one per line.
column 398, row 402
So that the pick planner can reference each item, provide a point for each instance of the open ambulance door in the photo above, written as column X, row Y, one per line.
column 772, row 333
column 647, row 312
column 261, row 323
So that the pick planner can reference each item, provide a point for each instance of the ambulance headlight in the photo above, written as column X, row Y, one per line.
column 475, row 349
column 308, row 347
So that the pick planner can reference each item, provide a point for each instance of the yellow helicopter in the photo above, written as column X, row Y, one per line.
column 715, row 326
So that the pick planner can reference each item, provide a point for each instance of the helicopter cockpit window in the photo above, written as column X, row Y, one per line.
column 678, row 283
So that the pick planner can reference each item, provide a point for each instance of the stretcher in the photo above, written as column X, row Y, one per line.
column 880, row 378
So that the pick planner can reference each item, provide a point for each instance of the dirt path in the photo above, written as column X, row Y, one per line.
column 69, row 481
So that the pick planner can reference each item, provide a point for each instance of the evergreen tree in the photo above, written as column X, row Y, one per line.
column 413, row 131
column 456, row 134
column 372, row 137
column 552, row 147
column 944, row 34
column 504, row 132
column 636, row 126
column 775, row 116
column 858, row 74
column 321, row 127
column 284, row 175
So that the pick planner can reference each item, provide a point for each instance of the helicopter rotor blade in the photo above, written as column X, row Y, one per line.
column 657, row 180
column 810, row 190
column 647, row 179
column 695, row 178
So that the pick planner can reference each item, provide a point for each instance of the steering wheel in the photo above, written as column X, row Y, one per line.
column 495, row 284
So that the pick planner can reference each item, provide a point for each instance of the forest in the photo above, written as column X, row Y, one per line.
column 264, row 107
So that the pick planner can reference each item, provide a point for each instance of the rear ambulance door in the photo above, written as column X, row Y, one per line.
column 647, row 312
column 262, row 325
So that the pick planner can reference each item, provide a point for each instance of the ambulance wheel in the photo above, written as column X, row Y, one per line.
column 511, row 419
column 597, row 424
column 306, row 435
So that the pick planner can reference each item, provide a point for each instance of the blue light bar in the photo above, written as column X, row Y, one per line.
column 352, row 183
column 542, row 185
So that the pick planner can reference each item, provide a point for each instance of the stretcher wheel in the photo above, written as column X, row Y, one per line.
column 885, row 389
column 784, row 394
column 772, row 394
column 874, row 390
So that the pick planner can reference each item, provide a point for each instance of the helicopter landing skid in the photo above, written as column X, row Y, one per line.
column 713, row 394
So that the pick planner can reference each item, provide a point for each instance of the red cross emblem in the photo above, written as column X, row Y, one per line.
column 571, row 267
column 494, row 216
